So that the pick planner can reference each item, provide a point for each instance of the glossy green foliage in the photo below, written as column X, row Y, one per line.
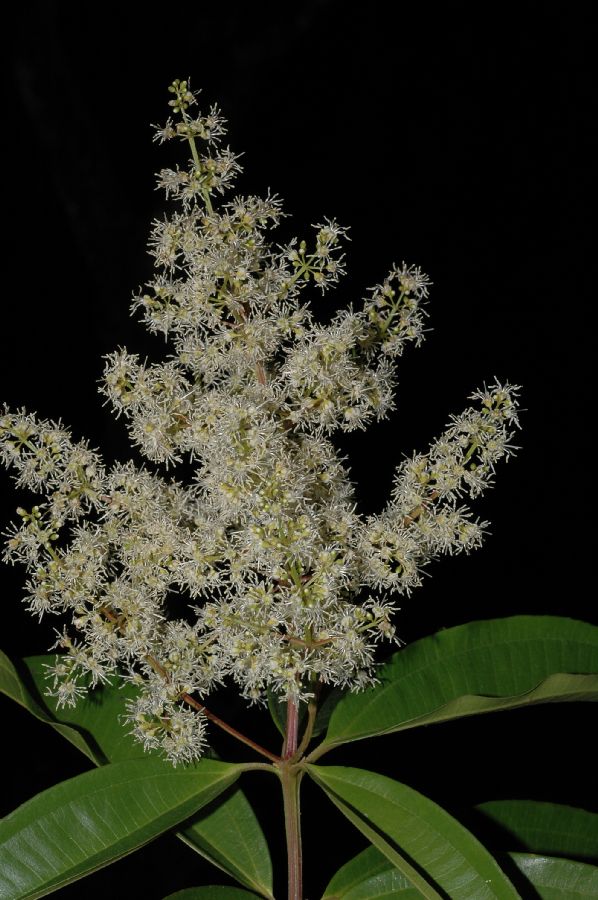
column 432, row 850
column 558, row 879
column 12, row 686
column 367, row 876
column 226, row 831
column 473, row 668
column 371, row 876
column 546, row 828
column 89, row 821
column 211, row 892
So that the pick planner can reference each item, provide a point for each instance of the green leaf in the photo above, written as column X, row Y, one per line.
column 89, row 821
column 367, row 876
column 434, row 851
column 211, row 892
column 370, row 875
column 546, row 828
column 326, row 708
column 13, row 687
column 473, row 668
column 227, row 832
column 99, row 715
column 558, row 879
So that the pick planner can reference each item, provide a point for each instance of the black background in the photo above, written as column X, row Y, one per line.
column 454, row 140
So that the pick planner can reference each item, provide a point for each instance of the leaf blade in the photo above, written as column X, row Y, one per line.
column 474, row 668
column 394, row 816
column 369, row 875
column 211, row 892
column 245, row 858
column 12, row 686
column 558, row 879
column 228, row 834
column 549, row 829
column 87, row 822
column 97, row 715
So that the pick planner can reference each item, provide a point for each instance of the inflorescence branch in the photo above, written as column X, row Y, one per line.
column 260, row 570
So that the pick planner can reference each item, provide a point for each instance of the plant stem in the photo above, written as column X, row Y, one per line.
column 290, row 777
column 292, row 730
column 204, row 191
column 312, row 710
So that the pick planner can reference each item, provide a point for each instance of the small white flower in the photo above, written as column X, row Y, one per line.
column 254, row 569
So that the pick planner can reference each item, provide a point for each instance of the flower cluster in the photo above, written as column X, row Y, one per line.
column 259, row 570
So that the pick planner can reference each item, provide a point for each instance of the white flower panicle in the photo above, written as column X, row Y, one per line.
column 260, row 570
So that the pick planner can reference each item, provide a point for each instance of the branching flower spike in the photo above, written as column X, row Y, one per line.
column 288, row 585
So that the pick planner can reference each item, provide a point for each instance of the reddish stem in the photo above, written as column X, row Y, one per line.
column 292, row 730
column 290, row 777
column 229, row 729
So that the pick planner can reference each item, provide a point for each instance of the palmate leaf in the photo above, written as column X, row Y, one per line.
column 473, row 668
column 371, row 875
column 89, row 821
column 549, row 829
column 436, row 854
column 226, row 832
